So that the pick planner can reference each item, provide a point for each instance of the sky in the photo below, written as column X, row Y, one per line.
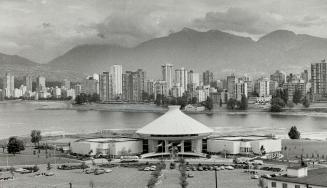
column 44, row 29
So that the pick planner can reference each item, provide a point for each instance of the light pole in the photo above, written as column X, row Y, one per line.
column 216, row 178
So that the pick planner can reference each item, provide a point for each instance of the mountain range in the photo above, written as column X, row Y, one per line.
column 214, row 50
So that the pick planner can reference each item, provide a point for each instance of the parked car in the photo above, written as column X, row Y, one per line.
column 229, row 168
column 89, row 171
column 190, row 175
column 107, row 170
column 254, row 177
column 147, row 168
column 49, row 174
column 200, row 168
column 99, row 171
column 193, row 168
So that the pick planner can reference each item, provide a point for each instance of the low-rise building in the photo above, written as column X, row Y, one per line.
column 243, row 145
column 294, row 148
column 107, row 146
column 299, row 177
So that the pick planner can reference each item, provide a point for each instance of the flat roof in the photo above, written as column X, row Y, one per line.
column 242, row 138
column 107, row 140
column 316, row 177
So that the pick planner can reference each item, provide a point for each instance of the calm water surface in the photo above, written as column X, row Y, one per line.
column 21, row 118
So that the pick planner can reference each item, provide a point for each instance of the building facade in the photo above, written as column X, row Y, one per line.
column 167, row 74
column 319, row 80
column 116, row 72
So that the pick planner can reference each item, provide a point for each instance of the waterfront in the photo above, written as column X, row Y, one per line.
column 19, row 118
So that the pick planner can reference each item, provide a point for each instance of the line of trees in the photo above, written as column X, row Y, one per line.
column 233, row 104
column 280, row 100
column 87, row 98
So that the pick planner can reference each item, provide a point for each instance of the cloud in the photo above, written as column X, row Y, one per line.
column 240, row 20
column 44, row 29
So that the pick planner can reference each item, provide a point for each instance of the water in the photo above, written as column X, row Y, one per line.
column 20, row 118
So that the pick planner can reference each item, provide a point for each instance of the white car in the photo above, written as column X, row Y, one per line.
column 221, row 168
column 255, row 177
column 147, row 169
column 229, row 168
column 107, row 170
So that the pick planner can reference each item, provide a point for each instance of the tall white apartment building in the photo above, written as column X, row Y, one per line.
column 116, row 72
column 167, row 74
column 181, row 78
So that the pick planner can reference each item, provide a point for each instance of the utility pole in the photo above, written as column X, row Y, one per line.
column 216, row 178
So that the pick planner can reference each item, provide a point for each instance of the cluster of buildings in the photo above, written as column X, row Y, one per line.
column 133, row 86
column 176, row 133
column 29, row 90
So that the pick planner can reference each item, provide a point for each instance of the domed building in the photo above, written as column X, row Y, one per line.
column 173, row 132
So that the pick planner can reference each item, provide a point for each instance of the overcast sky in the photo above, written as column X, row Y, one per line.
column 44, row 29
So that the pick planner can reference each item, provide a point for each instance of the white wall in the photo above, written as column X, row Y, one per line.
column 218, row 146
column 135, row 147
column 84, row 147
column 311, row 148
column 269, row 145
column 289, row 185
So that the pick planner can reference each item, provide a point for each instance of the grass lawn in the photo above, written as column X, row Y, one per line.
column 27, row 157
column 119, row 177
column 226, row 179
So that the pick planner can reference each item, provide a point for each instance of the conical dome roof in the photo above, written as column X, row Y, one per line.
column 174, row 122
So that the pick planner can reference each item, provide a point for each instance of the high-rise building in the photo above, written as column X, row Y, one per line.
column 105, row 87
column 193, row 80
column 262, row 87
column 149, row 87
column 279, row 77
column 241, row 88
column 133, row 85
column 273, row 85
column 231, row 81
column 78, row 89
column 8, row 85
column 28, row 83
column 305, row 76
column 116, row 72
column 207, row 78
column 90, row 86
column 181, row 78
column 40, row 83
column 319, row 79
column 161, row 88
column 292, row 87
column 66, row 84
column 167, row 74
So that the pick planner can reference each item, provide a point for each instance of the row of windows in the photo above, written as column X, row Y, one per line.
column 177, row 135
column 284, row 185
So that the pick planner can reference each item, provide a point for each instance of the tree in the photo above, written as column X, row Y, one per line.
column 277, row 104
column 48, row 166
column 36, row 137
column 306, row 102
column 294, row 133
column 297, row 96
column 208, row 104
column 15, row 145
column 231, row 104
column 83, row 166
column 262, row 150
column 81, row 98
column 194, row 100
column 244, row 103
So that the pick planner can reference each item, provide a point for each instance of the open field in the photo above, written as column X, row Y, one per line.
column 27, row 157
column 119, row 177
